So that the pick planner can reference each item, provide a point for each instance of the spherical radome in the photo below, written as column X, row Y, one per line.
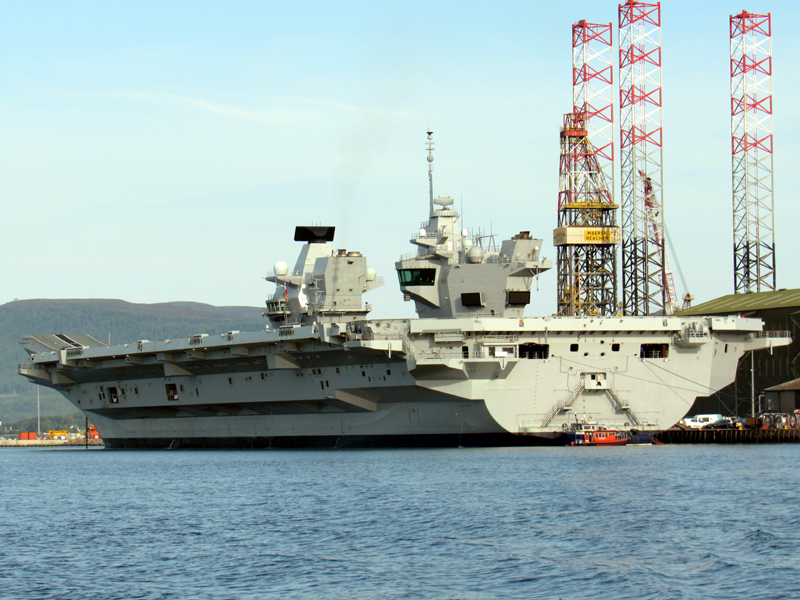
column 281, row 268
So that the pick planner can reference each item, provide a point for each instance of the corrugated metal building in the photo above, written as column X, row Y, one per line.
column 784, row 397
column 780, row 311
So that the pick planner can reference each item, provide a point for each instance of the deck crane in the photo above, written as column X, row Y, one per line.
column 687, row 297
column 651, row 214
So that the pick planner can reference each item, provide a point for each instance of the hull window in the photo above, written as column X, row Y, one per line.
column 172, row 392
column 654, row 351
column 535, row 351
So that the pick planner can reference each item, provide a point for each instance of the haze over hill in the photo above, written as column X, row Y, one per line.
column 123, row 321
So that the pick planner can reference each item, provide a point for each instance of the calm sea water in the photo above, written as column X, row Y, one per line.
column 630, row 522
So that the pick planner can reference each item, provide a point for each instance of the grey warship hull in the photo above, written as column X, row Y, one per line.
column 420, row 382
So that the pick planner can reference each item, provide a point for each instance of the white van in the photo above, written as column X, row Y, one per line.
column 697, row 421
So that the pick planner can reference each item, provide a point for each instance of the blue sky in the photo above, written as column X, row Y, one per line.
column 160, row 151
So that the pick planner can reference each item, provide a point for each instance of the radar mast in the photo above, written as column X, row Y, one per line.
column 430, row 167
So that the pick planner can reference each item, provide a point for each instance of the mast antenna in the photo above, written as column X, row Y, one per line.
column 430, row 166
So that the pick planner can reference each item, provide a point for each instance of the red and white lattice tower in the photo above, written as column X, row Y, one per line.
column 593, row 89
column 751, row 132
column 645, row 286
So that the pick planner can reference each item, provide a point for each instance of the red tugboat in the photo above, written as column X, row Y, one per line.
column 592, row 434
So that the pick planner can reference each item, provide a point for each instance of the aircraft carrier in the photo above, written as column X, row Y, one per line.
column 470, row 370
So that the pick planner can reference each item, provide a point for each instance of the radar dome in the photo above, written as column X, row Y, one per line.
column 467, row 244
column 281, row 268
column 371, row 274
column 422, row 232
column 475, row 254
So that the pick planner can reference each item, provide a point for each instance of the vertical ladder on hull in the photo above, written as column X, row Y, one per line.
column 563, row 404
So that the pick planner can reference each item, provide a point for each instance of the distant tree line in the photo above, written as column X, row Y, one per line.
column 57, row 423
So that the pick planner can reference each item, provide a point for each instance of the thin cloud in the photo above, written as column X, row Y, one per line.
column 272, row 116
column 302, row 110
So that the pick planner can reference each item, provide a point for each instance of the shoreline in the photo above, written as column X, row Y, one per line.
column 48, row 443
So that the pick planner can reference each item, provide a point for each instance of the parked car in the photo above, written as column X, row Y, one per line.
column 698, row 421
column 720, row 424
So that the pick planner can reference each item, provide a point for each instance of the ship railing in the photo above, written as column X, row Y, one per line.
column 413, row 255
column 476, row 353
column 439, row 354
column 770, row 334
column 382, row 336
column 511, row 338
column 689, row 333
column 292, row 274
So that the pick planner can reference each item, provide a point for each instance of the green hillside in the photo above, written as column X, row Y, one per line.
column 125, row 322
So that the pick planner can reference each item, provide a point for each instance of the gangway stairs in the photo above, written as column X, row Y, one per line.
column 563, row 404
column 623, row 406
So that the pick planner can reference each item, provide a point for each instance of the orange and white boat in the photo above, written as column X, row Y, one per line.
column 592, row 434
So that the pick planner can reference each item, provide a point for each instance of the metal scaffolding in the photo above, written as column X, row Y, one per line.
column 593, row 89
column 587, row 233
column 645, row 286
column 751, row 148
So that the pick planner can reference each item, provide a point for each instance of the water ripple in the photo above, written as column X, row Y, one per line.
column 660, row 523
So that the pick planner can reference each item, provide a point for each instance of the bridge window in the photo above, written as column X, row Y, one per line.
column 654, row 351
column 416, row 276
column 471, row 299
column 535, row 351
column 519, row 297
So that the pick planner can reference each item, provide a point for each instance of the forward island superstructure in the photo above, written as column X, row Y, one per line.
column 471, row 370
